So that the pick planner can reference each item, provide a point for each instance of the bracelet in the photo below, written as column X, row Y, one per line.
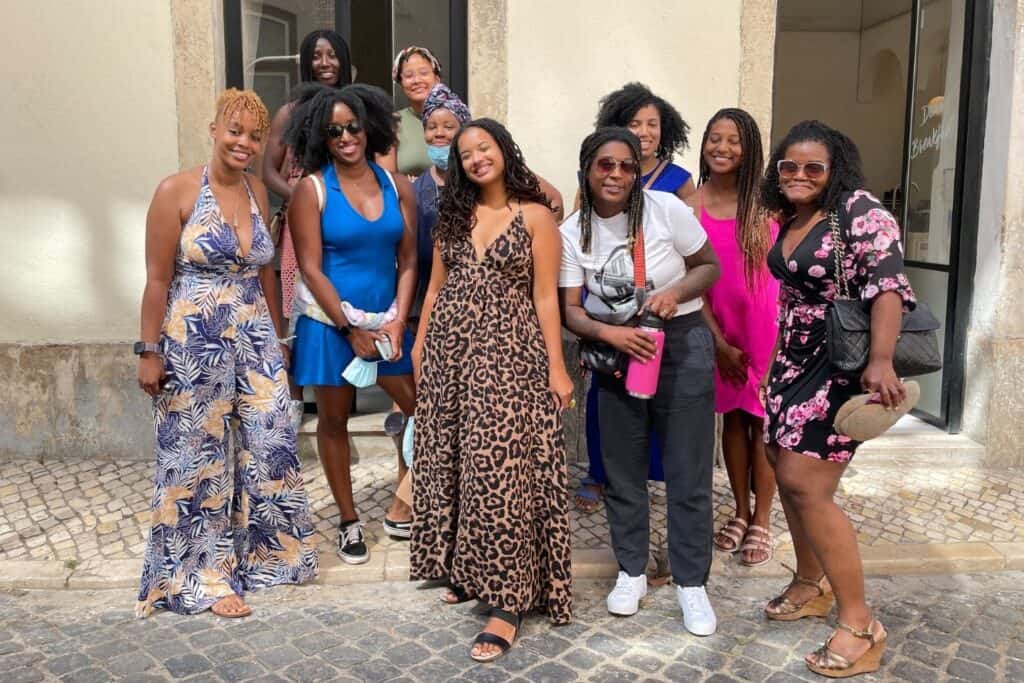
column 285, row 340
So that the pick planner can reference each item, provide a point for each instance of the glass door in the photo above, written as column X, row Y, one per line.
column 931, row 169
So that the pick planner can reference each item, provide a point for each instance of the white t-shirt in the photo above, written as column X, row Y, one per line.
column 671, row 233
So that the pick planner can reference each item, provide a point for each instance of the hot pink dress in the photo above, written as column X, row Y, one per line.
column 747, row 318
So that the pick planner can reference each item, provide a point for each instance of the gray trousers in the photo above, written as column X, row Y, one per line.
column 682, row 414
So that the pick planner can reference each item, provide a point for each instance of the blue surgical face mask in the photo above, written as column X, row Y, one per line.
column 439, row 156
column 407, row 441
column 360, row 373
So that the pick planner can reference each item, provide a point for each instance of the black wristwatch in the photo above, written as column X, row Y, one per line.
column 345, row 331
column 141, row 347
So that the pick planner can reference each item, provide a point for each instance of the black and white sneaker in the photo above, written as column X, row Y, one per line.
column 351, row 543
column 400, row 530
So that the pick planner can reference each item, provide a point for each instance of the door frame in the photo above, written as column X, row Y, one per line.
column 973, row 108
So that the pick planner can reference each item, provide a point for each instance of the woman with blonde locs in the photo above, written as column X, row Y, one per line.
column 490, row 508
column 741, row 311
column 209, row 353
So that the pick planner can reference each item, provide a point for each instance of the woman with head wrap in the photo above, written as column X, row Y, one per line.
column 443, row 115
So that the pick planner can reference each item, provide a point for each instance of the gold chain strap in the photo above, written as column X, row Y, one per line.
column 839, row 254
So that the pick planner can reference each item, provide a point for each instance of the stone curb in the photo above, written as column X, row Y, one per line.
column 393, row 565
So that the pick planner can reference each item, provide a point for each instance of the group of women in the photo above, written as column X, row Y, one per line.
column 422, row 254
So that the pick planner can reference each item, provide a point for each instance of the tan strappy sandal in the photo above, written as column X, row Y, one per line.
column 788, row 610
column 829, row 663
column 757, row 540
column 730, row 536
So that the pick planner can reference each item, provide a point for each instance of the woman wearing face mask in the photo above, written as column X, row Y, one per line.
column 741, row 311
column 814, row 177
column 354, row 228
column 209, row 352
column 443, row 115
column 491, row 509
column 617, row 219
column 323, row 58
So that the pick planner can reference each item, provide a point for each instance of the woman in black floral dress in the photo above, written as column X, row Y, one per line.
column 815, row 171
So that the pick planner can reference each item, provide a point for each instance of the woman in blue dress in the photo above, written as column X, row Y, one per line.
column 354, row 226
column 662, row 133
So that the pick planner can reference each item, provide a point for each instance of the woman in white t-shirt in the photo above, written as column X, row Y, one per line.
column 680, row 264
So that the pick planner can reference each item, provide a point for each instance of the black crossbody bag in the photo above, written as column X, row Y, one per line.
column 605, row 358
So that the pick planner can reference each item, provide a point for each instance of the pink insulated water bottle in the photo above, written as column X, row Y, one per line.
column 642, row 377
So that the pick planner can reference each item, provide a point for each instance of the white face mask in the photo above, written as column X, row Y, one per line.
column 360, row 373
column 407, row 442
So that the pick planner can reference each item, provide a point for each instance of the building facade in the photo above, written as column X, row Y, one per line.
column 107, row 98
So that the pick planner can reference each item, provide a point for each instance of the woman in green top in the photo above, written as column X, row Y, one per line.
column 417, row 70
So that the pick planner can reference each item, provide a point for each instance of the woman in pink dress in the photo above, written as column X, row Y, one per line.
column 742, row 317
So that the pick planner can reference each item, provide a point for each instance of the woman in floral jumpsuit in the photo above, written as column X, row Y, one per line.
column 213, row 358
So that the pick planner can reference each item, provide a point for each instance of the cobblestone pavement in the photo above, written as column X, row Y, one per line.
column 951, row 628
column 96, row 509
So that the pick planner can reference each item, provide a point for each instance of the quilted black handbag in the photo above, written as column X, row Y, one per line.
column 849, row 327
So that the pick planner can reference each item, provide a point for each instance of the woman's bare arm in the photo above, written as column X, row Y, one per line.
column 274, row 154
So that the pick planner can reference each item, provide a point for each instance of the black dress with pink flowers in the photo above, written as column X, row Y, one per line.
column 805, row 390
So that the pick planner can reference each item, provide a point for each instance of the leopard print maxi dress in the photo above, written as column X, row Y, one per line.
column 490, row 501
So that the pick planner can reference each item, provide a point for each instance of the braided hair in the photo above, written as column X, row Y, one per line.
column 845, row 171
column 460, row 195
column 619, row 108
column 306, row 132
column 752, row 224
column 308, row 48
column 635, row 206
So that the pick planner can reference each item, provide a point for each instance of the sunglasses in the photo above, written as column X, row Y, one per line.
column 812, row 169
column 336, row 130
column 607, row 166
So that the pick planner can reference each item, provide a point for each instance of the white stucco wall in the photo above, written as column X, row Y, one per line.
column 87, row 128
column 564, row 56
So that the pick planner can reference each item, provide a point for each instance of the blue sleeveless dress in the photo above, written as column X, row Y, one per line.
column 359, row 260
column 669, row 180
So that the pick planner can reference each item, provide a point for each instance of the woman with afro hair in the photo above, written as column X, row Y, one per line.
column 354, row 226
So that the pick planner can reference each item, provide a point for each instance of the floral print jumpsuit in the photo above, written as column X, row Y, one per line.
column 210, row 537
column 805, row 391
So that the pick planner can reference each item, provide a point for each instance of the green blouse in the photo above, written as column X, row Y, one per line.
column 413, row 159
column 412, row 148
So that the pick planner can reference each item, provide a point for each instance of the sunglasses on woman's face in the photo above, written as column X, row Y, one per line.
column 607, row 166
column 336, row 130
column 812, row 169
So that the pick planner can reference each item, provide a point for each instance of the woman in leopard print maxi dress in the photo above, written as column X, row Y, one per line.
column 490, row 504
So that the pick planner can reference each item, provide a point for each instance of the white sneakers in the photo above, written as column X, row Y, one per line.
column 698, row 615
column 624, row 600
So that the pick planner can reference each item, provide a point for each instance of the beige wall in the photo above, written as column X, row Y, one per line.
column 559, row 58
column 858, row 86
column 995, row 351
column 88, row 128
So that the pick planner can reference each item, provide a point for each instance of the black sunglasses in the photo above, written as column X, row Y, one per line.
column 336, row 130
